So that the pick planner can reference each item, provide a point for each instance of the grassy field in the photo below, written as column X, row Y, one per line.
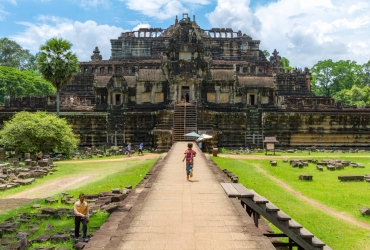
column 345, row 198
column 103, row 176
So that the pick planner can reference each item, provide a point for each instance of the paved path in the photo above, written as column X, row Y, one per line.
column 181, row 214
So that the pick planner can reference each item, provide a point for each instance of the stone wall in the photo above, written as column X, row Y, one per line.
column 319, row 129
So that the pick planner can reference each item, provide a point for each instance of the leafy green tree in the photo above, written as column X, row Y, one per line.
column 331, row 77
column 357, row 96
column 266, row 53
column 57, row 64
column 365, row 81
column 17, row 83
column 13, row 55
column 34, row 132
column 285, row 63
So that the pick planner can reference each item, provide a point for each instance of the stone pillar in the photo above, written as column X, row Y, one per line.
column 256, row 69
column 217, row 88
column 2, row 154
column 178, row 93
column 152, row 94
column 27, row 156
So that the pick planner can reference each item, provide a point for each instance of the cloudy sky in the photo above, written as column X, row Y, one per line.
column 303, row 31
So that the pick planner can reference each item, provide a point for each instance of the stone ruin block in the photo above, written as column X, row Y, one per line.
column 33, row 163
column 27, row 156
column 43, row 163
column 318, row 167
column 305, row 177
column 365, row 211
column 50, row 200
column 116, row 190
column 118, row 197
column 15, row 163
column 273, row 163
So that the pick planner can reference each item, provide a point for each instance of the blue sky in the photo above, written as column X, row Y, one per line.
column 303, row 31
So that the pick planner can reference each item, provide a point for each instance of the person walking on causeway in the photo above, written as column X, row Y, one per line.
column 81, row 211
column 189, row 156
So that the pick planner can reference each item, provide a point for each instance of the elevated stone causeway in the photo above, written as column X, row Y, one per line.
column 169, row 212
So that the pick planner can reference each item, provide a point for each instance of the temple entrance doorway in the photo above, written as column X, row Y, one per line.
column 185, row 95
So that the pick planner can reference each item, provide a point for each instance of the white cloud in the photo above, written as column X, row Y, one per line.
column 306, row 32
column 14, row 2
column 3, row 13
column 84, row 36
column 87, row 4
column 164, row 9
column 237, row 15
column 160, row 9
column 141, row 25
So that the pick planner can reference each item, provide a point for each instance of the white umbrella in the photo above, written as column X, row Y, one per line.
column 204, row 137
column 193, row 134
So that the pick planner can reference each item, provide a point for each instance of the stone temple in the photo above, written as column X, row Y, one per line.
column 159, row 84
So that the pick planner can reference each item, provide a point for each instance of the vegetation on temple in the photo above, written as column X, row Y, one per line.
column 57, row 64
column 34, row 132
column 15, row 82
column 13, row 55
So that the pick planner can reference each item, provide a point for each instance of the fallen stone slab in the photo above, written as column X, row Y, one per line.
column 50, row 200
column 351, row 178
column 116, row 190
column 24, row 181
column 305, row 177
column 3, row 187
column 118, row 197
column 50, row 211
column 109, row 208
column 40, row 216
column 365, row 211
column 60, row 237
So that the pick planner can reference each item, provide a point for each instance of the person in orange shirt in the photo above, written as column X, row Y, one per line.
column 189, row 156
column 81, row 210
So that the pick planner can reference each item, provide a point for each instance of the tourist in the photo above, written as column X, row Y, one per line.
column 128, row 150
column 141, row 145
column 187, row 97
column 81, row 211
column 200, row 145
column 189, row 156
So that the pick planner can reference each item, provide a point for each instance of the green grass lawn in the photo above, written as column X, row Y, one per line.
column 344, row 197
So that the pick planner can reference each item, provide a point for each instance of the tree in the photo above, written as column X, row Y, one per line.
column 266, row 53
column 331, row 77
column 359, row 97
column 16, row 83
column 285, row 63
column 57, row 64
column 13, row 55
column 34, row 132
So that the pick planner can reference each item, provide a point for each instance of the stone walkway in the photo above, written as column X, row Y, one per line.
column 173, row 213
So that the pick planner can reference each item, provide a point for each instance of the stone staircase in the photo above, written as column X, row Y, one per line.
column 257, row 206
column 185, row 121
column 253, row 134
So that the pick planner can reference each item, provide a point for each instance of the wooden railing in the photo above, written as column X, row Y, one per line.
column 257, row 206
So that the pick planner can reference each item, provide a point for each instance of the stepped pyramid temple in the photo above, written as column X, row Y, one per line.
column 160, row 84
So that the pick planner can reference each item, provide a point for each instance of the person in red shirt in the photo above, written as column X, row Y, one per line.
column 189, row 156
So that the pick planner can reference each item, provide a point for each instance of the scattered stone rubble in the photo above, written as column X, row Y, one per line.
column 13, row 173
column 21, row 239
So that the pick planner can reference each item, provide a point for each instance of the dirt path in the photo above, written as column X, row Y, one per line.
column 324, row 208
column 59, row 185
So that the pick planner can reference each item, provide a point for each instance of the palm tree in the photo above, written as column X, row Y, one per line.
column 57, row 63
